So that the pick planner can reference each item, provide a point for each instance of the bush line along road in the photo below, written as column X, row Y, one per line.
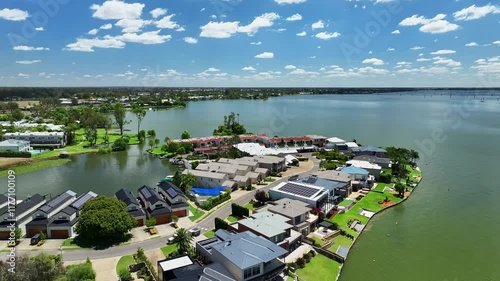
column 151, row 244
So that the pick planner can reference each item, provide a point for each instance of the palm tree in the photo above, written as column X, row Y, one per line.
column 183, row 239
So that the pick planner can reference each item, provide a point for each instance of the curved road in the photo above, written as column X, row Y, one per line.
column 118, row 251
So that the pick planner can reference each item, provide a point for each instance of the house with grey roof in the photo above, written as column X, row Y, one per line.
column 207, row 179
column 245, row 255
column 43, row 215
column 272, row 163
column 337, row 189
column 272, row 226
column 298, row 214
column 133, row 206
column 175, row 198
column 154, row 205
column 62, row 225
column 56, row 139
column 382, row 162
column 184, row 268
column 14, row 145
column 370, row 150
column 23, row 214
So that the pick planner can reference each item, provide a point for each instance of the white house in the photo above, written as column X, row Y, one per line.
column 14, row 145
column 57, row 139
column 206, row 178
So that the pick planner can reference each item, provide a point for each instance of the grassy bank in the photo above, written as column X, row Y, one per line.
column 33, row 166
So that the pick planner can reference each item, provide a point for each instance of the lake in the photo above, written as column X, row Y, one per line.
column 447, row 230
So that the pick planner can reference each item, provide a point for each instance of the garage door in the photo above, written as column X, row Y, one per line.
column 181, row 213
column 59, row 234
column 4, row 235
column 140, row 222
column 163, row 220
column 33, row 231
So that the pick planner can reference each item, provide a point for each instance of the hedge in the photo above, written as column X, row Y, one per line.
column 220, row 224
column 385, row 178
column 239, row 211
column 214, row 201
column 20, row 154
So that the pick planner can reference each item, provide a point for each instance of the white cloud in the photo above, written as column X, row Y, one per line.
column 290, row 67
column 443, row 52
column 284, row 2
column 436, row 25
column 383, row 1
column 294, row 17
column 391, row 49
column 106, row 26
column 317, row 25
column 396, row 32
column 190, row 40
column 326, row 35
column 371, row 70
column 423, row 59
column 300, row 71
column 303, row 33
column 416, row 48
column 373, row 61
column 93, row 31
column 88, row 45
column 132, row 25
column 40, row 29
column 474, row 13
column 23, row 75
column 29, row 48
column 158, row 12
column 446, row 61
column 256, row 43
column 496, row 42
column 488, row 65
column 212, row 69
column 147, row 38
column 265, row 55
column 180, row 29
column 167, row 22
column 13, row 14
column 228, row 29
column 28, row 61
column 471, row 44
column 116, row 10
column 280, row 29
column 248, row 68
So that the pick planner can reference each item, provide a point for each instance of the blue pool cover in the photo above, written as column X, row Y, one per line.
column 213, row 191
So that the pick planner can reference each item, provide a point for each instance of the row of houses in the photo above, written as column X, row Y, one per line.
column 29, row 125
column 55, row 139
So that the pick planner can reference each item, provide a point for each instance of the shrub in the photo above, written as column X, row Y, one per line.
column 20, row 154
column 385, row 178
column 239, row 211
column 150, row 222
column 120, row 144
column 181, row 150
column 220, row 224
column 306, row 257
column 214, row 201
column 313, row 253
column 330, row 166
column 300, row 262
column 104, row 150
column 124, row 274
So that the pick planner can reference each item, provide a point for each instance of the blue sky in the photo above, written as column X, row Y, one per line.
column 284, row 43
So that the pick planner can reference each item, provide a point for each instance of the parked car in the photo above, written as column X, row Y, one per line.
column 35, row 239
column 170, row 240
column 195, row 231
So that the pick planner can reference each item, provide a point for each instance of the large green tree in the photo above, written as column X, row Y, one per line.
column 40, row 267
column 231, row 126
column 183, row 240
column 104, row 221
column 120, row 114
column 185, row 135
column 140, row 113
column 184, row 182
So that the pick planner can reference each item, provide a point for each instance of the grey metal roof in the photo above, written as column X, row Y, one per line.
column 372, row 159
column 150, row 195
column 126, row 196
column 333, row 175
column 289, row 207
column 247, row 250
column 267, row 223
column 317, row 181
column 171, row 189
column 57, row 201
column 83, row 199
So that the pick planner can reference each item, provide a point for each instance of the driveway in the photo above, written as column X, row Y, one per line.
column 154, row 256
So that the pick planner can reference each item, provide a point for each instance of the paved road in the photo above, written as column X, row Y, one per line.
column 207, row 223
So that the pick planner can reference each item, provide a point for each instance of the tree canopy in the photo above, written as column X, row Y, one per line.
column 185, row 135
column 39, row 267
column 104, row 221
column 231, row 126
column 120, row 114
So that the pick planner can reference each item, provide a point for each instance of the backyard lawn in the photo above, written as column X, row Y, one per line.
column 319, row 267
column 380, row 186
column 318, row 241
column 197, row 213
column 167, row 250
column 232, row 219
column 209, row 234
column 340, row 240
column 252, row 205
column 346, row 203
column 124, row 262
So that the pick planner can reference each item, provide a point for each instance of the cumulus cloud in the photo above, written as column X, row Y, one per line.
column 318, row 25
column 391, row 49
column 167, row 22
column 23, row 75
column 396, row 32
column 158, row 12
column 443, row 52
column 326, row 35
column 116, row 10
column 28, row 61
column 30, row 48
column 290, row 67
column 294, row 17
column 190, row 40
column 88, row 45
column 436, row 25
column 496, row 42
column 147, row 38
column 93, row 31
column 488, row 65
column 248, row 68
column 383, row 1
column 301, row 34
column 265, row 55
column 256, row 43
column 300, row 71
column 212, row 69
column 284, row 2
column 446, row 61
column 106, row 26
column 13, row 14
column 228, row 29
column 40, row 29
column 473, row 12
column 416, row 48
column 373, row 61
column 132, row 25
column 471, row 44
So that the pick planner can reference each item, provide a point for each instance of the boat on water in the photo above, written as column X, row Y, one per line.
column 63, row 154
column 176, row 161
column 169, row 178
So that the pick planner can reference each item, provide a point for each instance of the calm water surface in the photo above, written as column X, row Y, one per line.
column 448, row 229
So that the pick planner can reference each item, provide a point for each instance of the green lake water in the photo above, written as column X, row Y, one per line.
column 447, row 230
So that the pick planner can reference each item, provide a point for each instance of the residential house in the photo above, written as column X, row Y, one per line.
column 272, row 226
column 134, row 208
column 382, row 162
column 254, row 177
column 317, row 140
column 155, row 206
column 23, row 214
column 370, row 150
column 315, row 196
column 272, row 163
column 358, row 176
column 14, row 145
column 222, row 168
column 240, row 161
column 207, row 179
column 337, row 143
column 44, row 215
column 184, row 268
column 372, row 168
column 62, row 225
column 255, row 149
column 336, row 190
column 57, row 139
column 245, row 255
column 343, row 181
column 175, row 198
column 263, row 171
column 242, row 181
column 298, row 214
column 351, row 145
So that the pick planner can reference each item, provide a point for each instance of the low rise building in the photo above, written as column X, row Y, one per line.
column 23, row 214
column 317, row 140
column 207, row 179
column 184, row 268
column 244, row 255
column 175, row 198
column 372, row 168
column 337, row 189
column 272, row 163
column 382, row 162
column 336, row 143
column 359, row 177
column 56, row 139
column 133, row 206
column 155, row 206
column 370, row 150
column 14, row 145
column 315, row 196
column 298, row 214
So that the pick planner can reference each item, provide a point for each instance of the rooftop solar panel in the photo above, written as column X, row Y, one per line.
column 145, row 191
column 83, row 199
column 299, row 189
column 172, row 193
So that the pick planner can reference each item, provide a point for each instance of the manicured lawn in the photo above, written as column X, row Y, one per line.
column 252, row 205
column 319, row 268
column 197, row 213
column 232, row 219
column 340, row 240
column 34, row 166
column 381, row 186
column 158, row 151
column 318, row 241
column 209, row 234
column 69, row 242
column 412, row 172
column 124, row 262
column 346, row 203
column 167, row 250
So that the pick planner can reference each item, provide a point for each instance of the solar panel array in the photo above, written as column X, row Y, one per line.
column 171, row 192
column 311, row 180
column 145, row 191
column 297, row 189
column 82, row 200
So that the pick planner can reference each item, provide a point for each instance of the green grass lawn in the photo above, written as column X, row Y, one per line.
column 124, row 262
column 338, row 241
column 252, row 205
column 232, row 219
column 380, row 186
column 34, row 166
column 319, row 268
column 197, row 213
column 269, row 179
column 167, row 250
column 346, row 203
column 318, row 241
column 412, row 172
column 209, row 234
column 69, row 242
column 158, row 151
